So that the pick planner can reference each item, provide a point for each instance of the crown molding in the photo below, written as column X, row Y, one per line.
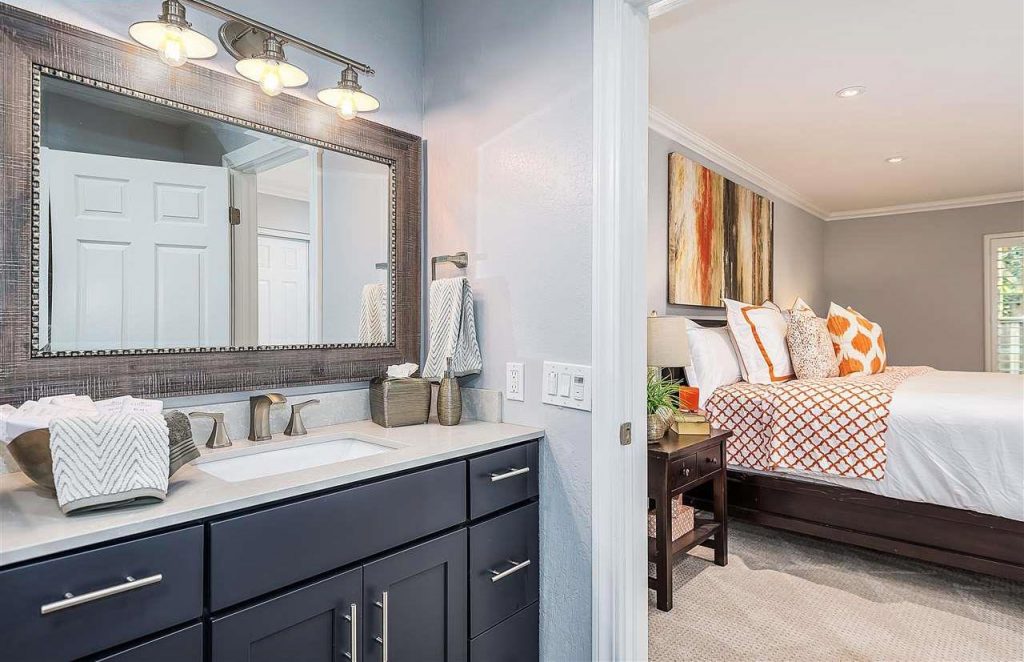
column 659, row 7
column 659, row 121
column 936, row 205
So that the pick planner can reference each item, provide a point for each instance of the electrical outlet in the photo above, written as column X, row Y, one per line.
column 514, row 377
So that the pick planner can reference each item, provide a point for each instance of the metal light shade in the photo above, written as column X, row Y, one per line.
column 171, row 24
column 348, row 96
column 271, row 62
column 667, row 343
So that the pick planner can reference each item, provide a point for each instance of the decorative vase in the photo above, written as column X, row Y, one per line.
column 449, row 398
column 658, row 424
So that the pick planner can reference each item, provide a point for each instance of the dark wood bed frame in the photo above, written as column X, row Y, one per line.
column 937, row 534
column 923, row 531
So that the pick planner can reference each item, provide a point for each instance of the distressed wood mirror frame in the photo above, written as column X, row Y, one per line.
column 31, row 46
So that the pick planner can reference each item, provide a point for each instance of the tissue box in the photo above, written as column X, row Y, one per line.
column 398, row 402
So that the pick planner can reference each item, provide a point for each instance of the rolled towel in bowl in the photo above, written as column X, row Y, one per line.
column 182, row 447
column 107, row 461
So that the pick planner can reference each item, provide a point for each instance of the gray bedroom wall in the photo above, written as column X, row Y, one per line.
column 386, row 34
column 921, row 276
column 509, row 128
column 799, row 240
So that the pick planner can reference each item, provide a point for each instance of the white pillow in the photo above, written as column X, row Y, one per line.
column 760, row 336
column 713, row 358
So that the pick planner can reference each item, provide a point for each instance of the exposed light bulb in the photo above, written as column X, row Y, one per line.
column 172, row 47
column 270, row 79
column 347, row 105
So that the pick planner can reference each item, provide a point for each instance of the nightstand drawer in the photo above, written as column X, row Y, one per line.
column 682, row 471
column 709, row 460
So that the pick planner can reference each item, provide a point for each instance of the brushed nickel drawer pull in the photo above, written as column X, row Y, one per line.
column 516, row 567
column 71, row 600
column 512, row 472
column 354, row 638
column 383, row 638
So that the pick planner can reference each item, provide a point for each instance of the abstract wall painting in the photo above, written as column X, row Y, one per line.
column 719, row 238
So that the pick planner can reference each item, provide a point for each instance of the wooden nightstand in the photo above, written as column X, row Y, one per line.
column 675, row 465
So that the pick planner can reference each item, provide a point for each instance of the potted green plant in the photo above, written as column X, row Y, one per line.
column 661, row 404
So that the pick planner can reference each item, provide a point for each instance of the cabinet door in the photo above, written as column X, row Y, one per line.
column 415, row 603
column 316, row 623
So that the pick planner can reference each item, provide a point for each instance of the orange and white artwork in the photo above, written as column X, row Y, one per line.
column 719, row 238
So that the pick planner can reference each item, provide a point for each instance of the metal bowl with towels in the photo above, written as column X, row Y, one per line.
column 31, row 450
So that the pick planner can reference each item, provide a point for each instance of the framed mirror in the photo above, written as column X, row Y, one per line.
column 163, row 228
column 170, row 232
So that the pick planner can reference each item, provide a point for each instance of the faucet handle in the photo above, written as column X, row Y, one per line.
column 219, row 434
column 296, row 427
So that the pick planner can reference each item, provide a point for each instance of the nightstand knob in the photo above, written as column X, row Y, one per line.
column 711, row 460
column 686, row 471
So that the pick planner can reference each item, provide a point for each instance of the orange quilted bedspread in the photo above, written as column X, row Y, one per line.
column 834, row 426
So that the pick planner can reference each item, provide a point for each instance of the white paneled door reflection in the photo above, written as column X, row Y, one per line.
column 139, row 253
column 283, row 264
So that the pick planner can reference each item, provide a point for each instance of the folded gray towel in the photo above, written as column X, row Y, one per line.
column 107, row 461
column 182, row 447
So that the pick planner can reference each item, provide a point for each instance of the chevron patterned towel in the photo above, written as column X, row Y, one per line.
column 106, row 461
column 452, row 329
column 373, row 314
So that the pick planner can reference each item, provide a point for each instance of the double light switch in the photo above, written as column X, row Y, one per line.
column 567, row 385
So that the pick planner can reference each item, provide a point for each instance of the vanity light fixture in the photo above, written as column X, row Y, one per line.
column 270, row 69
column 348, row 96
column 172, row 36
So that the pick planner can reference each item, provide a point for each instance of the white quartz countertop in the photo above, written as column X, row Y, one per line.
column 32, row 525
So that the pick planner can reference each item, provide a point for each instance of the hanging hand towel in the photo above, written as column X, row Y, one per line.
column 105, row 461
column 452, row 329
column 373, row 314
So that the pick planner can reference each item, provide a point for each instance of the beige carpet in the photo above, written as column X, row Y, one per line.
column 788, row 597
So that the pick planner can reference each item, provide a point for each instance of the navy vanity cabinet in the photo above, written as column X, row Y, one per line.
column 514, row 640
column 319, row 622
column 86, row 602
column 502, row 478
column 184, row 645
column 415, row 603
column 503, row 568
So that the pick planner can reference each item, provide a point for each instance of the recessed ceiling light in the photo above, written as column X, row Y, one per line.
column 849, row 92
column 894, row 159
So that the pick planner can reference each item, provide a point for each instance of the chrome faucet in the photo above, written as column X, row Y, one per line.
column 259, row 415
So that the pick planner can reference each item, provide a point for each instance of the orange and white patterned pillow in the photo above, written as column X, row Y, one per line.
column 858, row 342
column 760, row 336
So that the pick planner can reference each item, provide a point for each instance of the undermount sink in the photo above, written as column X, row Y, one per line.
column 261, row 462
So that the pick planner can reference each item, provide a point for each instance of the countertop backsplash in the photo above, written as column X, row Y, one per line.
column 343, row 406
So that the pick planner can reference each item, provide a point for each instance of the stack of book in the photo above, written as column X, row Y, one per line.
column 691, row 422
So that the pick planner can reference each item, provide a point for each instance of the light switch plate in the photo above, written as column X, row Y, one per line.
column 514, row 381
column 566, row 385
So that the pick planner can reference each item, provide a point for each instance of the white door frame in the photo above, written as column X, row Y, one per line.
column 619, row 472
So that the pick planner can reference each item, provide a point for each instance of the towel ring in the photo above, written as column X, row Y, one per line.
column 460, row 260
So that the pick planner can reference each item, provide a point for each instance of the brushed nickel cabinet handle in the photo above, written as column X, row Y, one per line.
column 383, row 638
column 512, row 472
column 70, row 600
column 353, row 653
column 516, row 567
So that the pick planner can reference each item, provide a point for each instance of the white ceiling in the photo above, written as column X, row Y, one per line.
column 755, row 81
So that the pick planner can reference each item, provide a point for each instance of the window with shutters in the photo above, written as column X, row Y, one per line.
column 1004, row 302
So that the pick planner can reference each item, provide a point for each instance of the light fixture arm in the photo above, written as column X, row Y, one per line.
column 216, row 9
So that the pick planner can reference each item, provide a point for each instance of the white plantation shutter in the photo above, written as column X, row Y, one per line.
column 1004, row 302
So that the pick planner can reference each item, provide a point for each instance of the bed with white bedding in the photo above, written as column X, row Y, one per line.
column 954, row 439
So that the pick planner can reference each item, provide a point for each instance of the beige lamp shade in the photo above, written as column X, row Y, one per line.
column 667, row 345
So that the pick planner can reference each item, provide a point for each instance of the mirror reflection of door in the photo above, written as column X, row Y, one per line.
column 139, row 251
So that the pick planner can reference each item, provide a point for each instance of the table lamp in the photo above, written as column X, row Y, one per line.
column 669, row 347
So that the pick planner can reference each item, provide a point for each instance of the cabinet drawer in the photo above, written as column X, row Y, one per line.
column 168, row 590
column 709, row 460
column 185, row 645
column 682, row 471
column 258, row 553
column 515, row 640
column 503, row 567
column 316, row 622
column 502, row 478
